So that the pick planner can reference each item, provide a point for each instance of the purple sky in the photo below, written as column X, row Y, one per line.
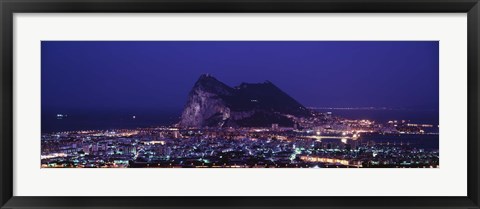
column 157, row 75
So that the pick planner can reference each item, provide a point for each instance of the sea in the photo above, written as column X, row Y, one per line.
column 421, row 141
column 385, row 115
column 75, row 121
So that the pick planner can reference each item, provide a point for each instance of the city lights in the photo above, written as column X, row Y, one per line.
column 322, row 141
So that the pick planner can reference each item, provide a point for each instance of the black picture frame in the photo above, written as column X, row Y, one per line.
column 9, row 7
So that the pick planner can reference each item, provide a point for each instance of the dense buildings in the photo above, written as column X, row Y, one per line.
column 318, row 141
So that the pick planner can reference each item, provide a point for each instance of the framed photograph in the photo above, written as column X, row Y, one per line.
column 239, row 104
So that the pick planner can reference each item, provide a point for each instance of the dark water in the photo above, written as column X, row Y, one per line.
column 102, row 120
column 426, row 141
column 414, row 116
column 420, row 141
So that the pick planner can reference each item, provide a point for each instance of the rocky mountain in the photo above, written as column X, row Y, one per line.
column 212, row 103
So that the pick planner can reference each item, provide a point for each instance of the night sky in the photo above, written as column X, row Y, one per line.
column 157, row 76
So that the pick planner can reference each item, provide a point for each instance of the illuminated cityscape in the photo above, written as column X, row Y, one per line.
column 240, row 104
column 322, row 141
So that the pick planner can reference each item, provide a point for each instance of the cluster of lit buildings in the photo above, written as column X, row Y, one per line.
column 322, row 141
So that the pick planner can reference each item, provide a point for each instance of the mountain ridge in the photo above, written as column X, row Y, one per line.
column 211, row 103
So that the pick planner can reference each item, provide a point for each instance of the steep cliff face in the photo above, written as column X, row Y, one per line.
column 211, row 103
column 205, row 105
